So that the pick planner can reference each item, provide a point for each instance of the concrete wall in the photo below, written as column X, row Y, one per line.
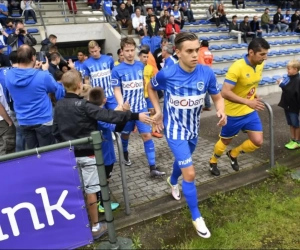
column 112, row 40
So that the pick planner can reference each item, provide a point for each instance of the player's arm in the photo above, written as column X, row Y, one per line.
column 87, row 74
column 116, row 84
column 229, row 84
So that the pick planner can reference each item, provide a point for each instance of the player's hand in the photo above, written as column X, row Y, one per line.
column 158, row 121
column 119, row 108
column 223, row 118
column 256, row 104
column 145, row 118
column 126, row 106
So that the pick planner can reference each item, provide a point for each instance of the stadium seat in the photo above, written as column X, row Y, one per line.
column 235, row 45
column 201, row 38
column 237, row 56
column 213, row 30
column 214, row 38
column 272, row 65
column 226, row 46
column 227, row 57
column 283, row 52
column 218, row 59
column 218, row 72
column 16, row 15
column 30, row 22
column 268, row 80
column 215, row 47
column 32, row 30
column 281, row 64
column 224, row 37
column 226, row 69
column 291, row 51
column 266, row 66
column 276, row 77
column 244, row 45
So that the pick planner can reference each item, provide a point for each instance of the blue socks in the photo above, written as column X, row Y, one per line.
column 175, row 174
column 149, row 151
column 190, row 193
column 124, row 144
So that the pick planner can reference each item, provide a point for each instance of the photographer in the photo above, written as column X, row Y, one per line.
column 20, row 37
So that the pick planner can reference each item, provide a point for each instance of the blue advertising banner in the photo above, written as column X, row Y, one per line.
column 41, row 206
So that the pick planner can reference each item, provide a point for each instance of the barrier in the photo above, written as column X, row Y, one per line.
column 271, row 129
column 58, row 242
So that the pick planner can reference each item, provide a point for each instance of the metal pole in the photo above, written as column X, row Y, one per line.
column 271, row 129
column 65, row 13
column 45, row 149
column 73, row 11
column 123, row 173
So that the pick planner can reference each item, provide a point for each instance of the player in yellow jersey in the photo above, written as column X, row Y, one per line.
column 241, row 105
column 149, row 72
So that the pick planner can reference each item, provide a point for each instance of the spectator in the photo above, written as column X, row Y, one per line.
column 166, row 5
column 29, row 88
column 156, row 6
column 177, row 16
column 246, row 29
column 91, row 3
column 72, row 6
column 54, row 62
column 10, row 28
column 290, row 100
column 167, row 55
column 295, row 20
column 7, row 127
column 20, row 37
column 140, row 4
column 153, row 26
column 205, row 57
column 279, row 21
column 3, row 13
column 254, row 25
column 139, row 22
column 234, row 29
column 65, row 69
column 266, row 22
column 4, row 60
column 46, row 43
column 238, row 2
column 187, row 11
column 172, row 29
column 164, row 20
column 212, row 16
column 129, row 7
column 157, row 53
column 149, row 15
column 222, row 15
column 13, row 5
column 28, row 7
column 120, row 56
column 107, row 10
column 156, row 40
column 79, row 63
column 288, row 18
column 124, row 18
column 145, row 40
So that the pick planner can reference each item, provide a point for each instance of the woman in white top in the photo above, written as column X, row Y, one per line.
column 212, row 16
column 28, row 7
column 177, row 16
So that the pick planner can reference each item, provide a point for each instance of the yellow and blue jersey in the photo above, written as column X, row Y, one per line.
column 148, row 74
column 245, row 79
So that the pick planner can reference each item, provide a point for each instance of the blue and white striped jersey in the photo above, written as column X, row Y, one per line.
column 130, row 78
column 170, row 61
column 79, row 67
column 184, row 98
column 99, row 71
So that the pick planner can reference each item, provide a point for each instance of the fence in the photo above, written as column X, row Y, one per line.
column 114, row 242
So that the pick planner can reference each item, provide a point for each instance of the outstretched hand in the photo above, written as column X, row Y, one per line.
column 158, row 121
column 223, row 118
column 145, row 118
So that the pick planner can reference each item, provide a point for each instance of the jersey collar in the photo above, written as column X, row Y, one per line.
column 247, row 61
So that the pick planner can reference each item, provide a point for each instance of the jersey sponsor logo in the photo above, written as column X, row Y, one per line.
column 184, row 162
column 200, row 85
column 100, row 73
column 132, row 85
column 251, row 93
column 186, row 102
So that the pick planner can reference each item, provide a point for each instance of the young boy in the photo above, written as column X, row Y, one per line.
column 76, row 118
column 290, row 102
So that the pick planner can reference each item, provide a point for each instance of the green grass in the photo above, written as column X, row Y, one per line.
column 265, row 216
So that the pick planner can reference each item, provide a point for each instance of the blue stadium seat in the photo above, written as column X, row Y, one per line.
column 223, row 29
column 294, row 41
column 32, row 30
column 213, row 30
column 226, row 46
column 272, row 65
column 214, row 38
column 29, row 22
column 215, row 47
column 268, row 80
column 262, row 83
column 281, row 64
column 235, row 45
column 16, row 15
column 297, row 50
column 203, row 30
column 218, row 72
column 226, row 69
column 291, row 51
column 279, row 42
column 203, row 38
column 194, row 30
column 244, row 45
column 218, row 59
column 227, row 57
column 276, row 77
column 224, row 37
column 266, row 66
column 237, row 56
column 283, row 52
column 275, row 52
column 272, row 43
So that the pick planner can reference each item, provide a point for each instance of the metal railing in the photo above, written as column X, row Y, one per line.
column 41, row 17
column 96, row 140
column 113, row 22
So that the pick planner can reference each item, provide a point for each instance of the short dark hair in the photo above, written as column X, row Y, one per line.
column 234, row 16
column 204, row 43
column 9, row 20
column 80, row 51
column 96, row 96
column 145, row 47
column 144, row 51
column 54, row 56
column 278, row 8
column 109, row 54
column 52, row 36
column 119, row 51
column 245, row 17
column 53, row 47
column 184, row 36
column 257, row 44
column 266, row 9
column 25, row 54
column 164, row 40
column 58, row 75
column 13, row 57
column 141, row 32
column 127, row 40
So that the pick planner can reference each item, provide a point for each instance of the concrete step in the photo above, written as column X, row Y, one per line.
column 70, row 19
column 59, row 5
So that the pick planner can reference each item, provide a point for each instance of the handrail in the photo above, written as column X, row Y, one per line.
column 110, row 20
column 65, row 13
column 42, row 19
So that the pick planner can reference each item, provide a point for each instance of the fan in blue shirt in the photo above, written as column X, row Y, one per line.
column 128, row 83
column 98, row 69
column 185, row 85
column 79, row 63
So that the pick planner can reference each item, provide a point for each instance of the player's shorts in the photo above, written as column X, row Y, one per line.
column 149, row 103
column 111, row 103
column 292, row 118
column 249, row 122
column 182, row 151
column 142, row 127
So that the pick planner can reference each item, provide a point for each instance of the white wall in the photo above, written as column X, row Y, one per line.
column 112, row 40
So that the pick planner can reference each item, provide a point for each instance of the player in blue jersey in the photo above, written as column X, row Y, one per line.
column 167, row 54
column 79, row 63
column 97, row 70
column 128, row 83
column 185, row 85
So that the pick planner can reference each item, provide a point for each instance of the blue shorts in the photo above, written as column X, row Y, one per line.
column 111, row 103
column 149, row 103
column 182, row 151
column 142, row 127
column 292, row 119
column 249, row 122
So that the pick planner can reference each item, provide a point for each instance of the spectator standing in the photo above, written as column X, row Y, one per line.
column 140, row 4
column 290, row 102
column 254, row 25
column 205, row 57
column 120, row 56
column 28, row 7
column 266, row 22
column 107, row 9
column 238, row 2
column 246, row 29
column 20, row 37
column 46, row 43
column 164, row 19
column 279, row 21
column 54, row 63
column 10, row 28
column 124, row 18
column 153, row 26
column 29, row 89
column 295, row 20
column 234, row 29
column 187, row 11
column 172, row 29
column 72, row 6
column 212, row 16
column 139, row 22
